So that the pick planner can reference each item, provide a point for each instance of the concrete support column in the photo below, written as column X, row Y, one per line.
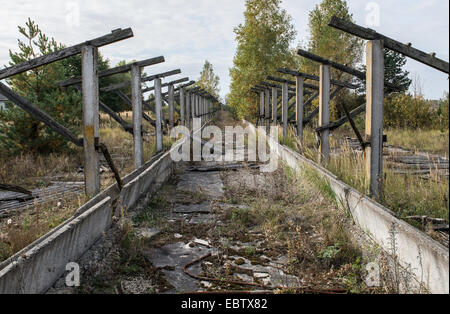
column 261, row 109
column 136, row 100
column 188, row 109
column 182, row 107
column 374, row 117
column 285, row 106
column 267, row 111
column 324, row 113
column 299, row 108
column 171, row 106
column 158, row 111
column 91, row 121
column 274, row 106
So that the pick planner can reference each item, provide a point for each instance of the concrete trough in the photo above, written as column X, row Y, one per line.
column 425, row 258
column 37, row 267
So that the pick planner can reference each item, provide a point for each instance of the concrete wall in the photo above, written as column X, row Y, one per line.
column 427, row 259
column 39, row 265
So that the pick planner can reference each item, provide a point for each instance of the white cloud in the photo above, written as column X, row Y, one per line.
column 188, row 32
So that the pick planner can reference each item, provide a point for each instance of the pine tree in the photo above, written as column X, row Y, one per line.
column 393, row 70
column 263, row 46
column 209, row 80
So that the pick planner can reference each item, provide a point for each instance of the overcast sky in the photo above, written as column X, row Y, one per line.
column 188, row 32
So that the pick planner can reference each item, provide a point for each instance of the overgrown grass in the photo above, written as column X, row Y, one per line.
column 405, row 194
column 433, row 141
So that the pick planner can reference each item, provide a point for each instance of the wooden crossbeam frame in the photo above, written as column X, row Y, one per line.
column 316, row 78
column 406, row 50
column 114, row 36
column 116, row 70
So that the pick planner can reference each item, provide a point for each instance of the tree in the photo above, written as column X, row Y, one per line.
column 209, row 80
column 393, row 70
column 332, row 44
column 263, row 46
column 19, row 131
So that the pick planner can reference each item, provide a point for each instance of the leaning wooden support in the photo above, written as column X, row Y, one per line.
column 340, row 122
column 38, row 114
column 324, row 114
column 406, row 50
column 115, row 36
column 89, row 64
column 374, row 117
column 136, row 99
column 102, row 147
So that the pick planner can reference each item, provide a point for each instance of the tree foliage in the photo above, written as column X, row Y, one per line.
column 332, row 44
column 263, row 43
column 19, row 132
column 209, row 80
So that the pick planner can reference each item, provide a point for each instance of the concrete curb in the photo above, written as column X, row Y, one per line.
column 426, row 259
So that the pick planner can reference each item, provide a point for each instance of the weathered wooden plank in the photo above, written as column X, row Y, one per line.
column 336, row 124
column 161, row 75
column 158, row 113
column 406, row 50
column 115, row 36
column 116, row 70
column 324, row 113
column 13, row 188
column 316, row 78
column 136, row 99
column 149, row 89
column 293, row 83
column 40, row 115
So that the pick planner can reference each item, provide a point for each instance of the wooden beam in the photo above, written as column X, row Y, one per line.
column 161, row 75
column 299, row 108
column 338, row 123
column 284, row 108
column 274, row 105
column 316, row 78
column 166, row 84
column 116, row 70
column 293, row 83
column 406, row 50
column 171, row 106
column 267, row 110
column 115, row 36
column 38, row 114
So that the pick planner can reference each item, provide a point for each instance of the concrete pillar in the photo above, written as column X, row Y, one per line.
column 285, row 107
column 182, row 107
column 261, row 109
column 188, row 109
column 299, row 108
column 91, row 121
column 158, row 111
column 171, row 106
column 324, row 113
column 374, row 117
column 267, row 111
column 274, row 106
column 136, row 100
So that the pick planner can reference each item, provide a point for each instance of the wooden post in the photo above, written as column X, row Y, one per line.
column 285, row 105
column 171, row 106
column 136, row 99
column 89, row 64
column 267, row 111
column 274, row 106
column 299, row 109
column 182, row 107
column 324, row 113
column 158, row 113
column 374, row 117
column 193, row 107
